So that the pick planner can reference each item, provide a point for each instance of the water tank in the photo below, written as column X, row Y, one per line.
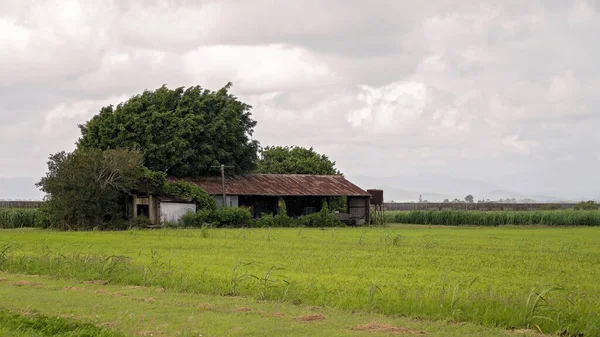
column 377, row 197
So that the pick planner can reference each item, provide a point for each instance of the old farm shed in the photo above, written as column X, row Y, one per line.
column 302, row 193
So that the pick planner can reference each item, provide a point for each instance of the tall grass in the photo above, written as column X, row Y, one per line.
column 510, row 277
column 20, row 217
column 496, row 218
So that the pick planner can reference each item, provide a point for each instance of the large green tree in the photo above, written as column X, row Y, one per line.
column 294, row 160
column 86, row 188
column 182, row 132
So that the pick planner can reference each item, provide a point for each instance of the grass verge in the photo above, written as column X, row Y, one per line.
column 158, row 312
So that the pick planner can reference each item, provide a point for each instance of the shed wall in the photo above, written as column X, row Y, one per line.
column 357, row 207
column 231, row 200
column 172, row 211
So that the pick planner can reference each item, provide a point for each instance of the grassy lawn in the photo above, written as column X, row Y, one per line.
column 507, row 277
column 119, row 310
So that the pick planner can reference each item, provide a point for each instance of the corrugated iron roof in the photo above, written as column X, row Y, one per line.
column 281, row 185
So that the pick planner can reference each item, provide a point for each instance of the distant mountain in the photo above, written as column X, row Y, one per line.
column 437, row 187
column 496, row 195
column 19, row 189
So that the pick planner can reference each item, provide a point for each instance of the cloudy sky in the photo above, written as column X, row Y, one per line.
column 501, row 91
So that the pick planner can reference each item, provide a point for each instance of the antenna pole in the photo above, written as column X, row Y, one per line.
column 223, row 182
column 222, row 167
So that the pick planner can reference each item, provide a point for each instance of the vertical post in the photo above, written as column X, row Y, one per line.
column 223, row 183
column 367, row 211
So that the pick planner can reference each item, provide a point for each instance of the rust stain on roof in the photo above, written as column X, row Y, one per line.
column 281, row 185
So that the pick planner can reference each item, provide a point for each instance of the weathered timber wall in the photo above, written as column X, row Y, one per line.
column 20, row 204
column 484, row 206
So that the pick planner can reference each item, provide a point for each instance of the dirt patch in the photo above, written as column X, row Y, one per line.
column 278, row 314
column 204, row 306
column 160, row 290
column 100, row 291
column 134, row 287
column 149, row 299
column 70, row 288
column 376, row 327
column 3, row 279
column 242, row 309
column 310, row 318
column 119, row 294
column 100, row 282
column 315, row 308
column 26, row 283
column 236, row 329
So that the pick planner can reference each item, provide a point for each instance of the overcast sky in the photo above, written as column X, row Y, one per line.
column 502, row 91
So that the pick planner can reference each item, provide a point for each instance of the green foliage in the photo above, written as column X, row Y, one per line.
column 21, row 217
column 265, row 221
column 497, row 218
column 87, row 188
column 195, row 219
column 182, row 132
column 231, row 217
column 282, row 219
column 587, row 205
column 294, row 160
column 40, row 325
column 193, row 192
column 139, row 222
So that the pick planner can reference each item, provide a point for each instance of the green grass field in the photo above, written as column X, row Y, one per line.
column 492, row 279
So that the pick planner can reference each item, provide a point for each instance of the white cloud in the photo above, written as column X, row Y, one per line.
column 478, row 88
column 391, row 108
column 562, row 87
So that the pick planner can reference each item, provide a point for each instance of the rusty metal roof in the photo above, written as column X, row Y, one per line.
column 281, row 185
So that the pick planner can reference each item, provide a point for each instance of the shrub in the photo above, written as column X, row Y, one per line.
column 197, row 194
column 589, row 205
column 265, row 220
column 195, row 219
column 139, row 222
column 231, row 217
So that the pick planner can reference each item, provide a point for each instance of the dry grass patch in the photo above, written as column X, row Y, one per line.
column 27, row 283
column 310, row 318
column 100, row 282
column 71, row 288
column 242, row 309
column 387, row 328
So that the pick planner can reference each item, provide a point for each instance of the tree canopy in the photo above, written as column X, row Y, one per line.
column 182, row 132
column 294, row 160
column 86, row 187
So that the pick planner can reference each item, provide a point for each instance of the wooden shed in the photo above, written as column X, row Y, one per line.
column 302, row 193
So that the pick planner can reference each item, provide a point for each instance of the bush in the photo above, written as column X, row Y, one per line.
column 231, row 217
column 265, row 220
column 139, row 222
column 589, row 205
column 184, row 189
column 195, row 219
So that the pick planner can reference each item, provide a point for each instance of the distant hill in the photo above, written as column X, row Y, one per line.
column 437, row 187
column 19, row 189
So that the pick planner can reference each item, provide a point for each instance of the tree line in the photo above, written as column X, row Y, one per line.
column 141, row 142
